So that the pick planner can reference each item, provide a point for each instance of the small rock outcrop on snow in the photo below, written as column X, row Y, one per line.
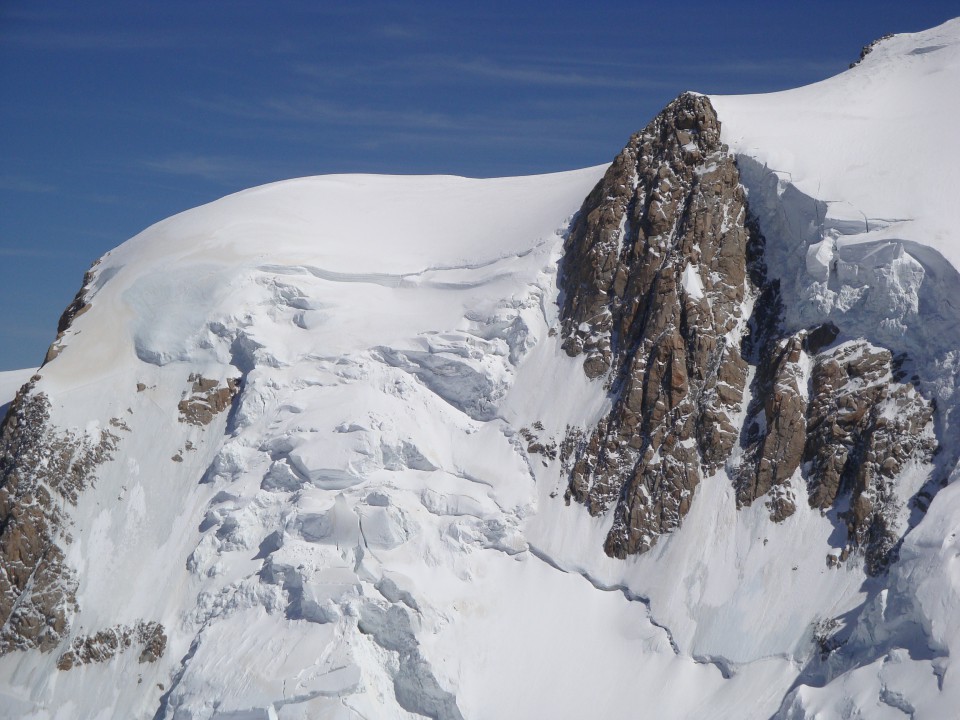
column 206, row 400
column 78, row 306
column 104, row 645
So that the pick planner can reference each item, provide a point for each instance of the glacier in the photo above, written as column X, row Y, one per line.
column 338, row 408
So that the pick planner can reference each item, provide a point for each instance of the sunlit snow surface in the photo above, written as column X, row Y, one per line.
column 10, row 382
column 854, row 181
column 877, row 143
column 364, row 536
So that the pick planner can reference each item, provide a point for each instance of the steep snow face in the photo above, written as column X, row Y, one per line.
column 852, row 182
column 310, row 546
column 875, row 144
column 324, row 473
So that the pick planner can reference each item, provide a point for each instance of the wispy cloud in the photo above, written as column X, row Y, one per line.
column 310, row 109
column 52, row 39
column 644, row 75
column 399, row 31
column 34, row 253
column 219, row 169
column 25, row 185
column 314, row 110
column 100, row 198
column 568, row 76
column 420, row 69
column 774, row 68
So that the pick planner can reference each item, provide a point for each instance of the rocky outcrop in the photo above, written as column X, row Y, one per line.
column 77, row 307
column 653, row 287
column 775, row 429
column 850, row 427
column 536, row 445
column 864, row 427
column 41, row 470
column 868, row 48
column 107, row 644
column 207, row 399
column 660, row 267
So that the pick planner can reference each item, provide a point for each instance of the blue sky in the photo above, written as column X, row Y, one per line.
column 115, row 115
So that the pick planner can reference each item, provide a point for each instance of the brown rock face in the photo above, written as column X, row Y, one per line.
column 207, row 400
column 658, row 267
column 653, row 283
column 77, row 307
column 864, row 426
column 775, row 429
column 852, row 427
column 107, row 644
column 41, row 468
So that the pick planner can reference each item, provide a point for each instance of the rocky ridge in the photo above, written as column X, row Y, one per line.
column 666, row 294
column 77, row 307
column 42, row 471
column 653, row 291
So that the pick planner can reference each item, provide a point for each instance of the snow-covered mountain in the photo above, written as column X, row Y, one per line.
column 668, row 438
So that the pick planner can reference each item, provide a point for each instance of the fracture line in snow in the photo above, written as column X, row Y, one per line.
column 627, row 593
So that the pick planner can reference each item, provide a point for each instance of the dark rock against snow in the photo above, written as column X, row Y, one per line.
column 863, row 427
column 659, row 266
column 653, row 283
column 41, row 468
column 853, row 426
column 776, row 428
column 107, row 644
column 207, row 399
column 77, row 307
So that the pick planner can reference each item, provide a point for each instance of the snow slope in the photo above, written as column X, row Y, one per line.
column 11, row 381
column 364, row 533
column 854, row 180
column 876, row 143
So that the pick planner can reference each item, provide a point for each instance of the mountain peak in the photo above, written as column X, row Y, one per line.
column 680, row 427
